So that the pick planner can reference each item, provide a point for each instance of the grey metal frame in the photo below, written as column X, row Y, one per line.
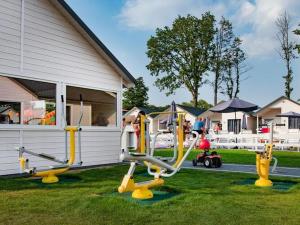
column 167, row 170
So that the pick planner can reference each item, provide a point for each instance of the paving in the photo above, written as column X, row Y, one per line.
column 239, row 168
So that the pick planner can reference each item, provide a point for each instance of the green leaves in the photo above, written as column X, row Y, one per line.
column 136, row 96
column 179, row 55
column 297, row 46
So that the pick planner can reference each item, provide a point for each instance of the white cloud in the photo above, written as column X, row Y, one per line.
column 150, row 14
column 253, row 20
column 260, row 35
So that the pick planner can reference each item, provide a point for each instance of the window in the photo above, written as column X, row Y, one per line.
column 27, row 102
column 10, row 112
column 162, row 124
column 294, row 123
column 234, row 126
column 99, row 107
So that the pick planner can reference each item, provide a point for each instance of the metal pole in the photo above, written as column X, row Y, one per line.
column 66, row 146
column 271, row 132
column 175, row 142
column 147, row 122
column 79, row 146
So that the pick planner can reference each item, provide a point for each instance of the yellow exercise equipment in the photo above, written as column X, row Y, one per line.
column 263, row 160
column 157, row 167
column 50, row 175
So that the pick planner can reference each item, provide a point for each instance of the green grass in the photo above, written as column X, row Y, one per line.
column 204, row 197
column 287, row 159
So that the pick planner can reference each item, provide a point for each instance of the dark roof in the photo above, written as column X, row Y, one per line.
column 276, row 100
column 96, row 39
column 192, row 110
column 148, row 110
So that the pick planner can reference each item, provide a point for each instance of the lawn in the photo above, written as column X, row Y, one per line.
column 203, row 197
column 285, row 158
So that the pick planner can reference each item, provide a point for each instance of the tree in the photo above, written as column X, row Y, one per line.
column 286, row 51
column 155, row 108
column 202, row 104
column 136, row 96
column 222, row 41
column 297, row 32
column 234, row 68
column 179, row 55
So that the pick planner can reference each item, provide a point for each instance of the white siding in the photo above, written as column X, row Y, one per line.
column 10, row 35
column 97, row 148
column 52, row 50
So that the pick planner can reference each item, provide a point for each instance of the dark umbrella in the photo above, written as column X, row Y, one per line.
column 234, row 105
column 289, row 114
column 244, row 122
column 173, row 115
column 207, row 123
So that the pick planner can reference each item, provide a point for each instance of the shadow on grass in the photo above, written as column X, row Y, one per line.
column 73, row 179
column 279, row 185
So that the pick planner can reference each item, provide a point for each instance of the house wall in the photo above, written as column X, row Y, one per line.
column 9, row 88
column 37, row 42
column 281, row 106
column 239, row 115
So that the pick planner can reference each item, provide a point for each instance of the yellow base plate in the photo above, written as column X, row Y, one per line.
column 263, row 183
column 50, row 179
column 142, row 193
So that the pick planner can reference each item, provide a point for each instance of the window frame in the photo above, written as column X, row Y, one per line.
column 297, row 121
column 118, row 106
column 60, row 121
column 35, row 127
column 236, row 123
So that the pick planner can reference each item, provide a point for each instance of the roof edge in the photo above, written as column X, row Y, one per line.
column 271, row 103
column 91, row 34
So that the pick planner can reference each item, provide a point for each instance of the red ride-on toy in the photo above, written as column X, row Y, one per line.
column 208, row 159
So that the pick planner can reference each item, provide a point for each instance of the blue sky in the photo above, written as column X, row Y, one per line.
column 124, row 26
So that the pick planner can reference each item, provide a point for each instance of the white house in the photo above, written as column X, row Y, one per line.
column 278, row 106
column 128, row 136
column 191, row 114
column 47, row 51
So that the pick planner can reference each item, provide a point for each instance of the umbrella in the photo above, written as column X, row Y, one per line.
column 244, row 122
column 173, row 116
column 289, row 114
column 234, row 105
column 207, row 123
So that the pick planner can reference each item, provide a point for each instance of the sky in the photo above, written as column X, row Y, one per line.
column 124, row 26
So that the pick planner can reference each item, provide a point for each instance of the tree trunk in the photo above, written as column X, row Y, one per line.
column 237, row 90
column 216, row 88
column 195, row 98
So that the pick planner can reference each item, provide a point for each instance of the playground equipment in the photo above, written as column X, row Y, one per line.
column 157, row 167
column 208, row 159
column 50, row 175
column 263, row 160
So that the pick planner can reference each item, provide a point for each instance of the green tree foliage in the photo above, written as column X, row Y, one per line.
column 157, row 108
column 234, row 67
column 179, row 55
column 136, row 96
column 286, row 51
column 222, row 43
column 201, row 104
column 297, row 32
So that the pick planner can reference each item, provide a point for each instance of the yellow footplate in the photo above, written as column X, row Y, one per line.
column 139, row 190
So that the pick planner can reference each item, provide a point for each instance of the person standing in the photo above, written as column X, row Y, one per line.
column 199, row 126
